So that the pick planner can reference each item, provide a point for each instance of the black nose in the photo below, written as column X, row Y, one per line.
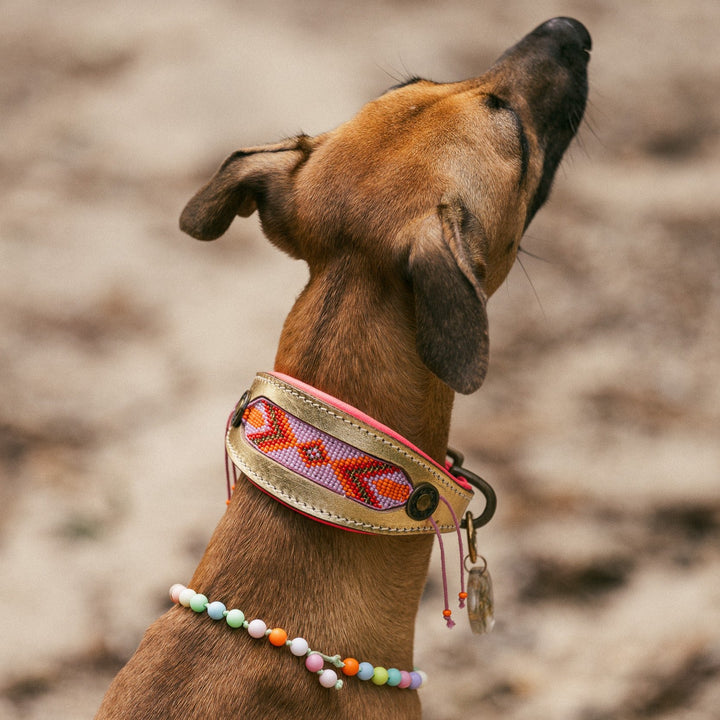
column 570, row 33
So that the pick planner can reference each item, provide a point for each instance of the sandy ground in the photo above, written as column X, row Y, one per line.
column 123, row 344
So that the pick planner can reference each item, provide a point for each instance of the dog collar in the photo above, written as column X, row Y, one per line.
column 333, row 463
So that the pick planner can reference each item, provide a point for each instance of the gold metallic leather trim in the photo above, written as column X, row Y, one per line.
column 317, row 501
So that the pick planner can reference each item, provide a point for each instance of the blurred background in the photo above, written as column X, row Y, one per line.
column 124, row 344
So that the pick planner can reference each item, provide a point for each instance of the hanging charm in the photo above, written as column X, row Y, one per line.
column 480, row 599
column 480, row 605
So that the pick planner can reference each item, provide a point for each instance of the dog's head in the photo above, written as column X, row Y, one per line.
column 437, row 181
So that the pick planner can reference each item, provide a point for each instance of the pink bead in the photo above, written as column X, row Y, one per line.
column 314, row 662
column 256, row 628
column 328, row 678
column 405, row 679
column 175, row 591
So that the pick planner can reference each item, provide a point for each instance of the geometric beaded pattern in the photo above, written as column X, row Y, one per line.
column 324, row 459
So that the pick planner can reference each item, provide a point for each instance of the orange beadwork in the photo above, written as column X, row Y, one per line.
column 447, row 612
column 462, row 595
column 324, row 459
column 277, row 637
column 350, row 666
column 393, row 489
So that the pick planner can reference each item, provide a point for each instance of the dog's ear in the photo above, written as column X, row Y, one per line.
column 258, row 178
column 450, row 303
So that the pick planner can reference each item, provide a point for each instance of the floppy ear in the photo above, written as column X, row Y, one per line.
column 258, row 178
column 450, row 303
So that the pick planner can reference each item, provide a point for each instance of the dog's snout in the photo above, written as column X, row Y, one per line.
column 562, row 39
column 547, row 70
column 567, row 32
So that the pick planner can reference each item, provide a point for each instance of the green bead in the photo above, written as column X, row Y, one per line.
column 198, row 603
column 380, row 676
column 394, row 677
column 235, row 618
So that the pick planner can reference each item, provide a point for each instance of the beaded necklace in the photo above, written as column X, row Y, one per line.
column 314, row 659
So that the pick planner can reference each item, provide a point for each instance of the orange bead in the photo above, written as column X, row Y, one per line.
column 350, row 666
column 462, row 595
column 277, row 637
column 447, row 613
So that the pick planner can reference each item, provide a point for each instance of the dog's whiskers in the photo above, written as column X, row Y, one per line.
column 587, row 121
column 521, row 249
column 529, row 279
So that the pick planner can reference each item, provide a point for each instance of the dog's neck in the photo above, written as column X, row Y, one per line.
column 354, row 338
column 357, row 593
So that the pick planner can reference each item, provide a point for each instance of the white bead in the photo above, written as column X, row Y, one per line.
column 328, row 678
column 299, row 647
column 256, row 628
column 423, row 675
column 186, row 596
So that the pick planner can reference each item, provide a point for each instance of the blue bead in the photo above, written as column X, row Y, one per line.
column 216, row 610
column 366, row 671
column 394, row 677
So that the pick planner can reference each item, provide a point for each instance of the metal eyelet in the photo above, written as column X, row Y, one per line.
column 423, row 501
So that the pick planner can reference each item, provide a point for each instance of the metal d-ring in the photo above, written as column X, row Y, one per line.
column 478, row 483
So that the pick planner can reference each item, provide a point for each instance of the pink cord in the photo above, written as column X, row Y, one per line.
column 447, row 612
column 462, row 551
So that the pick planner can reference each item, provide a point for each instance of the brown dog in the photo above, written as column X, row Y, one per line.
column 409, row 216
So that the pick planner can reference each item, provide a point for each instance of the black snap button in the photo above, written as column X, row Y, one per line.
column 423, row 502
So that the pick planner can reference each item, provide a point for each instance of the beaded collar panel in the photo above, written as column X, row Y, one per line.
column 330, row 461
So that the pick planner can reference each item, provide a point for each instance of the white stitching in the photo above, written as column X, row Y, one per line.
column 296, row 502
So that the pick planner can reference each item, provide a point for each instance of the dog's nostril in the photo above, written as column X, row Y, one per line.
column 569, row 32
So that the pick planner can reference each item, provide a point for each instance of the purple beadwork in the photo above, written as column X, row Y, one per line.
column 324, row 459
